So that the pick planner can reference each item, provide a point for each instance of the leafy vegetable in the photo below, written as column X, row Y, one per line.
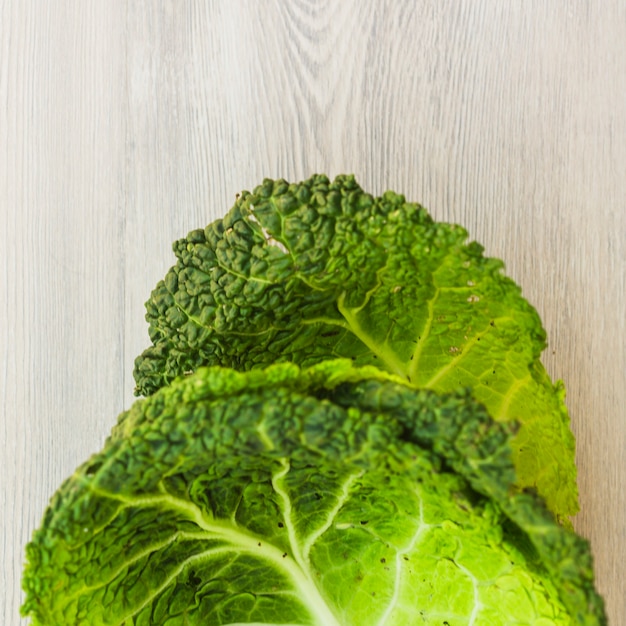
column 317, row 270
column 327, row 496
column 347, row 423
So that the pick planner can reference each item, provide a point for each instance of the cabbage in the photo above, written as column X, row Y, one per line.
column 326, row 496
column 346, row 422
column 317, row 270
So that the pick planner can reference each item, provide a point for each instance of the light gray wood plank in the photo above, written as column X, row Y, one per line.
column 62, row 256
column 126, row 124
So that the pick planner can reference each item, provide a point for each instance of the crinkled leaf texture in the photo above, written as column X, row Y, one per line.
column 316, row 270
column 327, row 496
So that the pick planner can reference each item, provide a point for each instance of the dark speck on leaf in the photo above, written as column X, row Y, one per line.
column 280, row 524
column 364, row 522
column 383, row 560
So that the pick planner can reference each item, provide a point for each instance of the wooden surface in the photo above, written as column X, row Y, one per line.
column 124, row 124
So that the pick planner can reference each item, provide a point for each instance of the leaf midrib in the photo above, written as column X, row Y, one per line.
column 241, row 540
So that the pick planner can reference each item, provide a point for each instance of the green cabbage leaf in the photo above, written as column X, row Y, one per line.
column 317, row 270
column 330, row 495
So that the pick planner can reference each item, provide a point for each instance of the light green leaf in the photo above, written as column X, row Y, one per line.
column 329, row 496
column 317, row 270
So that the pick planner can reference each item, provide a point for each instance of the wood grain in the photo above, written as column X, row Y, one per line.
column 125, row 124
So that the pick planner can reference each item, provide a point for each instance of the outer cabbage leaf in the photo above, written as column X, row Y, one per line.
column 316, row 270
column 328, row 496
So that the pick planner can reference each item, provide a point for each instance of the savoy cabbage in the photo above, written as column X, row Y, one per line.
column 317, row 270
column 346, row 424
column 327, row 496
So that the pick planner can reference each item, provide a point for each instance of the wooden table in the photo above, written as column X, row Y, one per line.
column 123, row 125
